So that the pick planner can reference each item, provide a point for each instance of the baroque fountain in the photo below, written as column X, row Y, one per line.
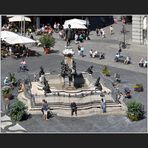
column 70, row 86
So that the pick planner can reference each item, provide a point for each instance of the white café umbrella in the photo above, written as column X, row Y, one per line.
column 10, row 15
column 19, row 40
column 75, row 26
column 77, row 21
column 20, row 18
column 7, row 34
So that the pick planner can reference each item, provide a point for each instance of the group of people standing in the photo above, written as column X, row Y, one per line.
column 77, row 35
column 46, row 29
column 101, row 31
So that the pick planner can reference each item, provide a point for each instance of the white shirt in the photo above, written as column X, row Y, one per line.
column 23, row 62
column 90, row 52
column 10, row 49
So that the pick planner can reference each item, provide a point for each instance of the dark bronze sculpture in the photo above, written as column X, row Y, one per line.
column 46, row 87
column 89, row 70
column 41, row 71
column 98, row 85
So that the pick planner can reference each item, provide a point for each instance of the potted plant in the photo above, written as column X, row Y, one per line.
column 7, row 92
column 138, row 87
column 105, row 71
column 47, row 41
column 17, row 111
column 135, row 111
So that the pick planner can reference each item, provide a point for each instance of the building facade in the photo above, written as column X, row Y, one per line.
column 139, row 29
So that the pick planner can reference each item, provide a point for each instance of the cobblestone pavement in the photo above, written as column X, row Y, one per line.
column 109, row 46
column 88, row 124
column 130, row 74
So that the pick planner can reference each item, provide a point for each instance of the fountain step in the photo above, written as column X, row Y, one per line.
column 81, row 113
column 65, row 102
column 84, row 109
column 67, row 99
column 66, row 105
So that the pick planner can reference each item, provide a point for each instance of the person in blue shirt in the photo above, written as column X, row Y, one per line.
column 6, row 81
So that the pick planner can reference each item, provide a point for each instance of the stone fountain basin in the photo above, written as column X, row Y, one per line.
column 56, row 82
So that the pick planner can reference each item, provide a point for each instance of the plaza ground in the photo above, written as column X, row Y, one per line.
column 130, row 75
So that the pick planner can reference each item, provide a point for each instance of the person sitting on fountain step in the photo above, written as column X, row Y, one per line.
column 89, row 70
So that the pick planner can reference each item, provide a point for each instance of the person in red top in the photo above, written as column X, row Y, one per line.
column 123, row 21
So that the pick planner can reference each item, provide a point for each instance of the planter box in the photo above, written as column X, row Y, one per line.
column 47, row 50
column 138, row 89
column 132, row 117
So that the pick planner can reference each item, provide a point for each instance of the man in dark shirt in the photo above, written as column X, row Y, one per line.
column 73, row 108
column 68, row 35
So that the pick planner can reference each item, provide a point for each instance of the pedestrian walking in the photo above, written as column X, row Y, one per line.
column 10, row 50
column 79, row 49
column 45, row 109
column 76, row 38
column 111, row 30
column 82, row 51
column 102, row 33
column 7, row 104
column 123, row 21
column 103, row 105
column 97, row 31
column 68, row 35
column 73, row 108
column 119, row 51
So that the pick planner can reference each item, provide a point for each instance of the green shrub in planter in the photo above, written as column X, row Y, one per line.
column 105, row 71
column 47, row 41
column 6, row 91
column 138, row 87
column 135, row 111
column 17, row 111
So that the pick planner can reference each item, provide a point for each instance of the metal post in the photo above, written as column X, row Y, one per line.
column 123, row 45
column 21, row 27
column 24, row 26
